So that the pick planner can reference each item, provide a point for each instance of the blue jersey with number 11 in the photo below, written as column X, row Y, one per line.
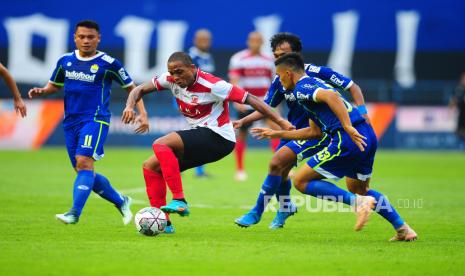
column 87, row 86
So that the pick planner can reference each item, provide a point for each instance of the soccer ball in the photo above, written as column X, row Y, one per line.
column 150, row 221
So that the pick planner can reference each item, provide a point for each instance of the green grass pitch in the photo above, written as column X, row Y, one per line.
column 428, row 188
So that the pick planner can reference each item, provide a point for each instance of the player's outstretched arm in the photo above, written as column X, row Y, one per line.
column 337, row 106
column 357, row 95
column 135, row 96
column 20, row 107
column 50, row 88
column 142, row 118
column 267, row 111
column 311, row 132
column 254, row 116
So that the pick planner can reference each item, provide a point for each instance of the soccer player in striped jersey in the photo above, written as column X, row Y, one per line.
column 253, row 71
column 350, row 152
column 289, row 152
column 203, row 100
column 86, row 75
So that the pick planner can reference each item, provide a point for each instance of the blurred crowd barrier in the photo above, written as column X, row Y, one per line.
column 400, row 127
column 406, row 56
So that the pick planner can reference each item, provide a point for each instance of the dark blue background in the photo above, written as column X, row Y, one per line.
column 442, row 23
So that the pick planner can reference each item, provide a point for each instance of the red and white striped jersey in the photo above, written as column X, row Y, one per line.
column 255, row 72
column 206, row 102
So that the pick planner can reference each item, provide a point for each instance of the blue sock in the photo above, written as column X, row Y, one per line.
column 82, row 187
column 283, row 195
column 103, row 188
column 200, row 170
column 385, row 209
column 269, row 187
column 329, row 191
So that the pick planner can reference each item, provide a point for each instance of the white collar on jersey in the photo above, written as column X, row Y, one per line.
column 304, row 77
column 76, row 52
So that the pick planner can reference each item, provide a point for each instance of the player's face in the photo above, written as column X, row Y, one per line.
column 203, row 41
column 86, row 40
column 282, row 49
column 285, row 77
column 183, row 75
column 254, row 42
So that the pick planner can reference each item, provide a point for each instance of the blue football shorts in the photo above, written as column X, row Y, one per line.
column 86, row 139
column 305, row 148
column 343, row 158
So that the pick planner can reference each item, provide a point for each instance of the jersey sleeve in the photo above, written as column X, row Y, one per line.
column 274, row 97
column 58, row 75
column 330, row 76
column 228, row 92
column 162, row 82
column 120, row 74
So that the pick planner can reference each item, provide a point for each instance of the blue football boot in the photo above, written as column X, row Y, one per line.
column 176, row 206
column 169, row 229
column 281, row 217
column 248, row 219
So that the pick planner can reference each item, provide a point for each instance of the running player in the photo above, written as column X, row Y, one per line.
column 350, row 153
column 253, row 71
column 289, row 152
column 86, row 76
column 204, row 100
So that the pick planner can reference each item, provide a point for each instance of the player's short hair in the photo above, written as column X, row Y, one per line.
column 182, row 57
column 88, row 24
column 292, row 60
column 292, row 39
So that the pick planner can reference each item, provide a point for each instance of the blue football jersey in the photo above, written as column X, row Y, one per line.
column 202, row 60
column 329, row 76
column 297, row 116
column 276, row 94
column 87, row 85
column 305, row 92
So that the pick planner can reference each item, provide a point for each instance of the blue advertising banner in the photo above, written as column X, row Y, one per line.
column 409, row 40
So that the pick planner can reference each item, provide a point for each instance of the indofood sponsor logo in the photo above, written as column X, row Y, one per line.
column 73, row 75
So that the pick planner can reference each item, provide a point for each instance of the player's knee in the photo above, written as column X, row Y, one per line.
column 359, row 189
column 276, row 167
column 159, row 141
column 300, row 184
column 151, row 164
column 84, row 163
